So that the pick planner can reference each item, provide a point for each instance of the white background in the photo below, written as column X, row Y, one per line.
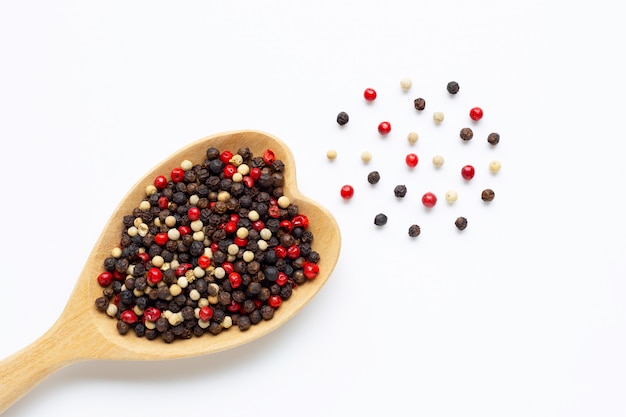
column 522, row 314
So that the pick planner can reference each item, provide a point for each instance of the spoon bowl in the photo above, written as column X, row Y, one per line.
column 84, row 333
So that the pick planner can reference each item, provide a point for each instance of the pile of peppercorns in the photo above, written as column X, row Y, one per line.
column 429, row 199
column 215, row 245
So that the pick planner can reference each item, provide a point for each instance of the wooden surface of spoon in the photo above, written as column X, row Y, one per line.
column 84, row 333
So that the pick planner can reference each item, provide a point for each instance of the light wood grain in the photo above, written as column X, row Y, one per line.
column 83, row 333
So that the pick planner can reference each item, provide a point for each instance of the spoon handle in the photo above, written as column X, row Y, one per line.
column 23, row 370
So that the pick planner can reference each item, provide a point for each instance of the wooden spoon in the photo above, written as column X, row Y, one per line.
column 84, row 333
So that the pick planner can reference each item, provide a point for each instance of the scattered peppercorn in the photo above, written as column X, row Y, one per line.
column 414, row 230
column 347, row 192
column 369, row 94
column 342, row 118
column 411, row 160
column 476, row 113
column 452, row 87
column 429, row 200
column 400, row 191
column 438, row 117
column 438, row 161
column 467, row 172
column 331, row 154
column 493, row 138
column 419, row 103
column 487, row 194
column 451, row 196
column 406, row 84
column 412, row 137
column 466, row 133
column 366, row 156
column 494, row 166
column 373, row 177
column 199, row 252
column 460, row 223
column 384, row 128
column 380, row 219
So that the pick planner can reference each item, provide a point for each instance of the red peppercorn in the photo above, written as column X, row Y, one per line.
column 248, row 181
column 228, row 267
column 226, row 156
column 255, row 173
column 230, row 227
column 347, row 191
column 163, row 203
column 129, row 317
column 229, row 170
column 269, row 157
column 143, row 256
column 182, row 269
column 274, row 301
column 384, row 128
column 154, row 275
column 193, row 213
column 411, row 160
column 235, row 279
column 160, row 182
column 242, row 243
column 281, row 251
column 214, row 247
column 286, row 226
column 204, row 261
column 184, row 230
column 273, row 211
column 161, row 238
column 234, row 218
column 300, row 220
column 467, row 172
column 282, row 279
column 429, row 199
column 118, row 276
column 258, row 225
column 105, row 279
column 310, row 270
column 234, row 306
column 177, row 174
column 369, row 94
column 205, row 313
column 152, row 313
column 293, row 252
column 476, row 113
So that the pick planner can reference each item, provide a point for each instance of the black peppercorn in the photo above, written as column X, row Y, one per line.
column 400, row 191
column 380, row 219
column 373, row 177
column 461, row 223
column 342, row 118
column 452, row 87
column 419, row 103
column 487, row 194
column 414, row 230
column 466, row 133
column 493, row 138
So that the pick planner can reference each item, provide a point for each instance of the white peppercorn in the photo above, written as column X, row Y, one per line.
column 451, row 196
column 438, row 161
column 494, row 166
column 406, row 84
column 412, row 137
column 438, row 117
